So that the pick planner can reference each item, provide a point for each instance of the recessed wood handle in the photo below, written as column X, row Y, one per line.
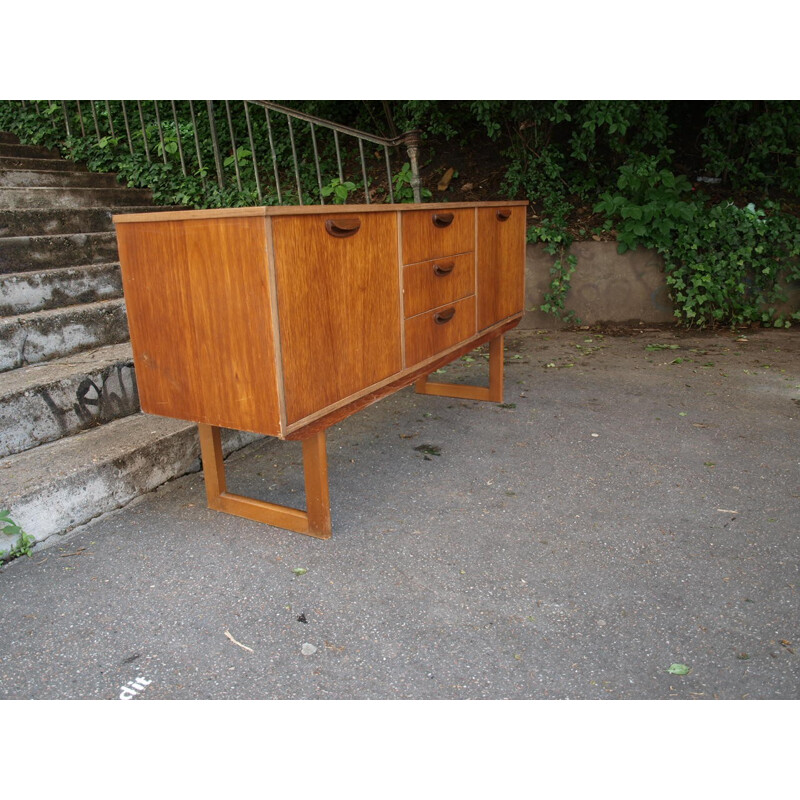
column 443, row 269
column 441, row 317
column 342, row 227
column 503, row 214
column 442, row 220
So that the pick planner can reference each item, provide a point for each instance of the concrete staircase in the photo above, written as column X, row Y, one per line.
column 73, row 442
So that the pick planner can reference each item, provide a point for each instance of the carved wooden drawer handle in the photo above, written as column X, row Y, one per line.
column 503, row 214
column 442, row 220
column 441, row 270
column 441, row 317
column 342, row 227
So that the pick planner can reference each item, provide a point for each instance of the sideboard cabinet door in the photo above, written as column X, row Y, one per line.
column 338, row 292
column 501, row 263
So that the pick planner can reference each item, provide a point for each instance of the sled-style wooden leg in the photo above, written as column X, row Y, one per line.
column 315, row 521
column 493, row 393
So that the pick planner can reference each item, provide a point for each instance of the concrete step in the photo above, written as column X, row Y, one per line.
column 57, row 486
column 71, row 197
column 11, row 178
column 46, row 335
column 26, row 253
column 17, row 150
column 25, row 292
column 41, row 164
column 45, row 402
column 54, row 221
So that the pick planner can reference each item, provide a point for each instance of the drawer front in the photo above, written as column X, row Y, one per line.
column 435, row 233
column 431, row 284
column 434, row 331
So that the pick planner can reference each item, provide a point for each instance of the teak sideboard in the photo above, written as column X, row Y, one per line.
column 284, row 320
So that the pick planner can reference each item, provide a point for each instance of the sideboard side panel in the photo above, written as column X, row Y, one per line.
column 198, row 302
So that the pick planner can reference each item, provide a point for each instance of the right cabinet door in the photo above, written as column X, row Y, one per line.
column 501, row 263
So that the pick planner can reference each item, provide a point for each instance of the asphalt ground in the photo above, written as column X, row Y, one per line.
column 632, row 508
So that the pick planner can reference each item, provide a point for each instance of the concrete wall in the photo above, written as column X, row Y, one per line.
column 605, row 287
column 609, row 287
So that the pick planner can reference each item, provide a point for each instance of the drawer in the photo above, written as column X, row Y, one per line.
column 431, row 284
column 436, row 233
column 434, row 331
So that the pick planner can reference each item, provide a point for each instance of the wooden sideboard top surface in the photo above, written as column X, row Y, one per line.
column 282, row 211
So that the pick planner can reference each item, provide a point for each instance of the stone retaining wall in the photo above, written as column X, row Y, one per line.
column 608, row 287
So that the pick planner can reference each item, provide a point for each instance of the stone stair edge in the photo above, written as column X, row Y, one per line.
column 42, row 403
column 41, row 164
column 57, row 221
column 52, row 333
column 138, row 453
column 37, row 197
column 58, row 287
column 53, row 312
column 24, row 378
column 56, row 178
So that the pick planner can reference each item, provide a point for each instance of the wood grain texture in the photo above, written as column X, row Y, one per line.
column 279, row 211
column 316, row 521
column 198, row 307
column 338, row 308
column 426, row 287
column 501, row 264
column 492, row 393
column 425, row 337
column 423, row 240
column 406, row 378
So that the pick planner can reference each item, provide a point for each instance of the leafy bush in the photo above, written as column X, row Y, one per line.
column 724, row 263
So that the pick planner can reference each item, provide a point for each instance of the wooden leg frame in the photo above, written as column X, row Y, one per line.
column 493, row 393
column 316, row 520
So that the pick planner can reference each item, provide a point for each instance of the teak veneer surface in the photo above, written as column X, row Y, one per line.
column 198, row 299
column 500, row 260
column 433, row 283
column 425, row 337
column 293, row 211
column 338, row 307
column 423, row 239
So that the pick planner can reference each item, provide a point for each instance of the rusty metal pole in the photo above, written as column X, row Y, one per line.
column 412, row 141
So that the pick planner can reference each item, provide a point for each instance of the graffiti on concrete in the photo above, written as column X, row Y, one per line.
column 111, row 394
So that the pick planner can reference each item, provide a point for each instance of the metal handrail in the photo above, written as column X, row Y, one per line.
column 228, row 135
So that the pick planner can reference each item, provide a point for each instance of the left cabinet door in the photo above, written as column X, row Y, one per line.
column 338, row 289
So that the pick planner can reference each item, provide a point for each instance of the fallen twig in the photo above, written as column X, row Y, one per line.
column 76, row 553
column 243, row 646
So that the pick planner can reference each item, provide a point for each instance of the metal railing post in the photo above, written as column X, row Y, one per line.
column 412, row 140
column 217, row 160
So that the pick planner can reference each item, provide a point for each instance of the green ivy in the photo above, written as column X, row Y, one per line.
column 724, row 263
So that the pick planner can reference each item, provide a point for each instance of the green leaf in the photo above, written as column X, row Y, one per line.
column 679, row 669
column 299, row 571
